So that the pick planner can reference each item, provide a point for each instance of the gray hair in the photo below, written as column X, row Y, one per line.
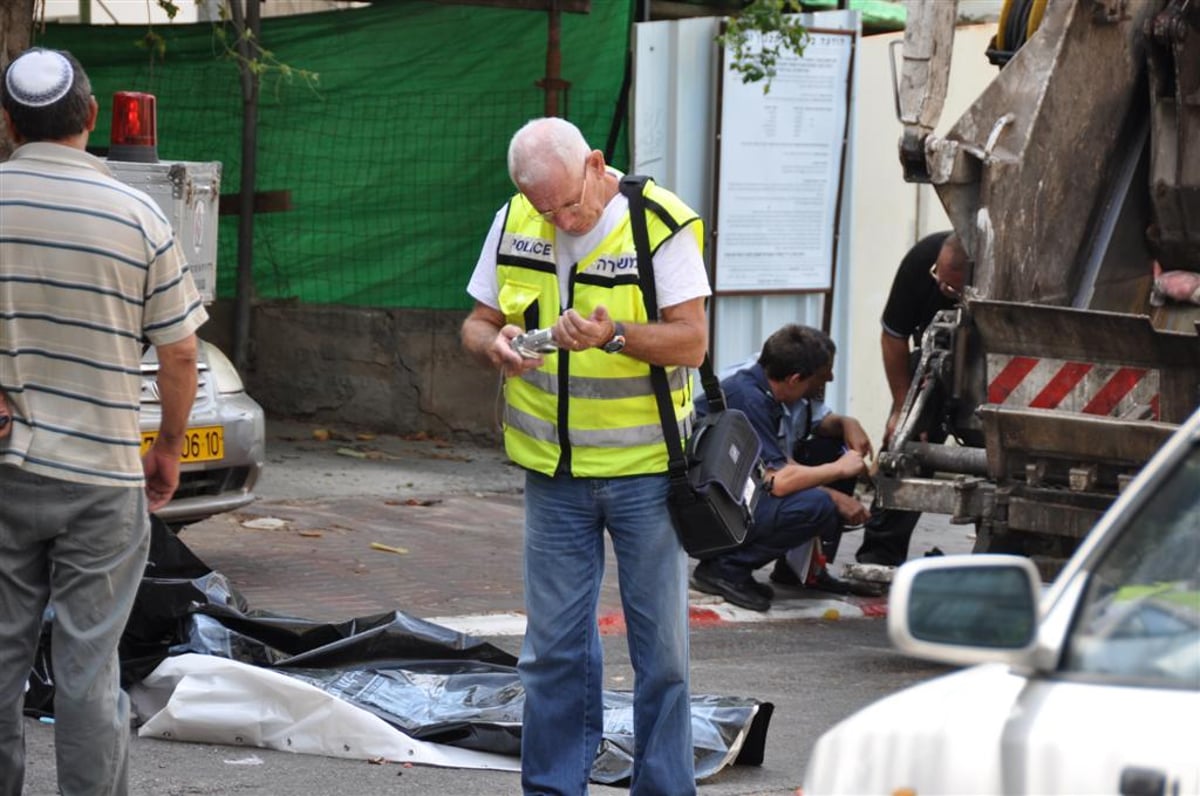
column 540, row 145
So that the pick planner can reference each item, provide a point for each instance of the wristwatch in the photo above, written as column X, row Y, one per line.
column 617, row 341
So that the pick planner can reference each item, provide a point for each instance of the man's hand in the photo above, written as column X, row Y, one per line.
column 488, row 339
column 505, row 358
column 851, row 510
column 890, row 429
column 855, row 437
column 851, row 465
column 576, row 333
column 177, row 390
column 793, row 477
column 896, row 368
column 678, row 338
column 161, row 467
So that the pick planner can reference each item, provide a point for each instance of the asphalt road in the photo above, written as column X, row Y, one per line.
column 814, row 671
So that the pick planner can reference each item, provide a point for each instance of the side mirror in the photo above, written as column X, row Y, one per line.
column 965, row 609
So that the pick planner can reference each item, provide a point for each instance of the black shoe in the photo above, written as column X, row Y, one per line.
column 828, row 583
column 746, row 594
column 784, row 575
column 878, row 559
column 762, row 588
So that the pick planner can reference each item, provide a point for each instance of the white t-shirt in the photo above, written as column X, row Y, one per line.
column 679, row 273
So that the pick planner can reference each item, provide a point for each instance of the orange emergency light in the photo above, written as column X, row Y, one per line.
column 134, row 134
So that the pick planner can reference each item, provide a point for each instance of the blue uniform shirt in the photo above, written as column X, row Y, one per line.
column 779, row 425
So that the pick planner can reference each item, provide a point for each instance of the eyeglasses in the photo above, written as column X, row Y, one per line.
column 948, row 289
column 571, row 207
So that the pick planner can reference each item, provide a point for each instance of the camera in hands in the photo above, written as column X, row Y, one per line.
column 534, row 343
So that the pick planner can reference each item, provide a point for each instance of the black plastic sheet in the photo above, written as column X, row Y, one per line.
column 428, row 681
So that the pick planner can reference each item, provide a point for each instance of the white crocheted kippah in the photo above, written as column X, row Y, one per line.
column 39, row 77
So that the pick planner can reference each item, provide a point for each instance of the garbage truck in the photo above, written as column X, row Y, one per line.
column 1073, row 182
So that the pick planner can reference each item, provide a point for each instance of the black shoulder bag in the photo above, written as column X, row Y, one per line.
column 716, row 483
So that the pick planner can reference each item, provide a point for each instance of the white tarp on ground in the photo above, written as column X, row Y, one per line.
column 206, row 699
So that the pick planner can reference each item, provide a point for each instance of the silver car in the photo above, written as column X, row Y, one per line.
column 225, row 446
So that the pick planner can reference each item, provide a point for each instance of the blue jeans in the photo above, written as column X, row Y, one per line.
column 561, row 663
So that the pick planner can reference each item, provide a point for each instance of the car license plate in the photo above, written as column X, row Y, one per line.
column 203, row 444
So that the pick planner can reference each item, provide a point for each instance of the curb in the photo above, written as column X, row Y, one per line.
column 703, row 612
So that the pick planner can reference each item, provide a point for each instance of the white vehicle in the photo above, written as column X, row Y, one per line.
column 1092, row 688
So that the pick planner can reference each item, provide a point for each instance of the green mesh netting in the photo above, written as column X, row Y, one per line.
column 395, row 160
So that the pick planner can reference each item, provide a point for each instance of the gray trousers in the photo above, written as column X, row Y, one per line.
column 82, row 550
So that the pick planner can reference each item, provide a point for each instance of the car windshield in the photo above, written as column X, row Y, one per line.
column 1140, row 616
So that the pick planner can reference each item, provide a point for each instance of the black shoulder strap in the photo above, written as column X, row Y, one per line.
column 633, row 186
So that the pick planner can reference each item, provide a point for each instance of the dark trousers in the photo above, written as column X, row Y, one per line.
column 781, row 523
column 823, row 450
column 886, row 536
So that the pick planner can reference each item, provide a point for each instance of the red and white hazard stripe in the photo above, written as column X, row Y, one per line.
column 1040, row 383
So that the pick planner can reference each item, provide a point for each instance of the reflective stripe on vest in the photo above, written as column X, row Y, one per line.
column 539, row 429
column 607, row 400
column 583, row 387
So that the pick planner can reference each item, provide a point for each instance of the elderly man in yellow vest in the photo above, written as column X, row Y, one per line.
column 583, row 421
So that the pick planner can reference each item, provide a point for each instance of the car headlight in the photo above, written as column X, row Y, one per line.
column 223, row 372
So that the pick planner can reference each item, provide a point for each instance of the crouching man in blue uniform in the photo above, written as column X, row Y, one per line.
column 813, row 458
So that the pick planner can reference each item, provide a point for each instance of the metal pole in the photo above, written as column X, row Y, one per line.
column 248, row 50
column 553, row 60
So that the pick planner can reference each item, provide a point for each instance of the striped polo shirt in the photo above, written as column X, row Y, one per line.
column 89, row 272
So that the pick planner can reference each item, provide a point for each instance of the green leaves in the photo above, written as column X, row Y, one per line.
column 229, row 33
column 262, row 63
column 758, row 35
column 152, row 42
column 155, row 44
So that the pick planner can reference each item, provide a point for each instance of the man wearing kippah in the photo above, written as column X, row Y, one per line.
column 89, row 269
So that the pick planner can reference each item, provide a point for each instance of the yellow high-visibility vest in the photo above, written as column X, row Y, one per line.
column 587, row 413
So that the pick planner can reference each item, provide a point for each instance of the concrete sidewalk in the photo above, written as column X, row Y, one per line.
column 350, row 526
